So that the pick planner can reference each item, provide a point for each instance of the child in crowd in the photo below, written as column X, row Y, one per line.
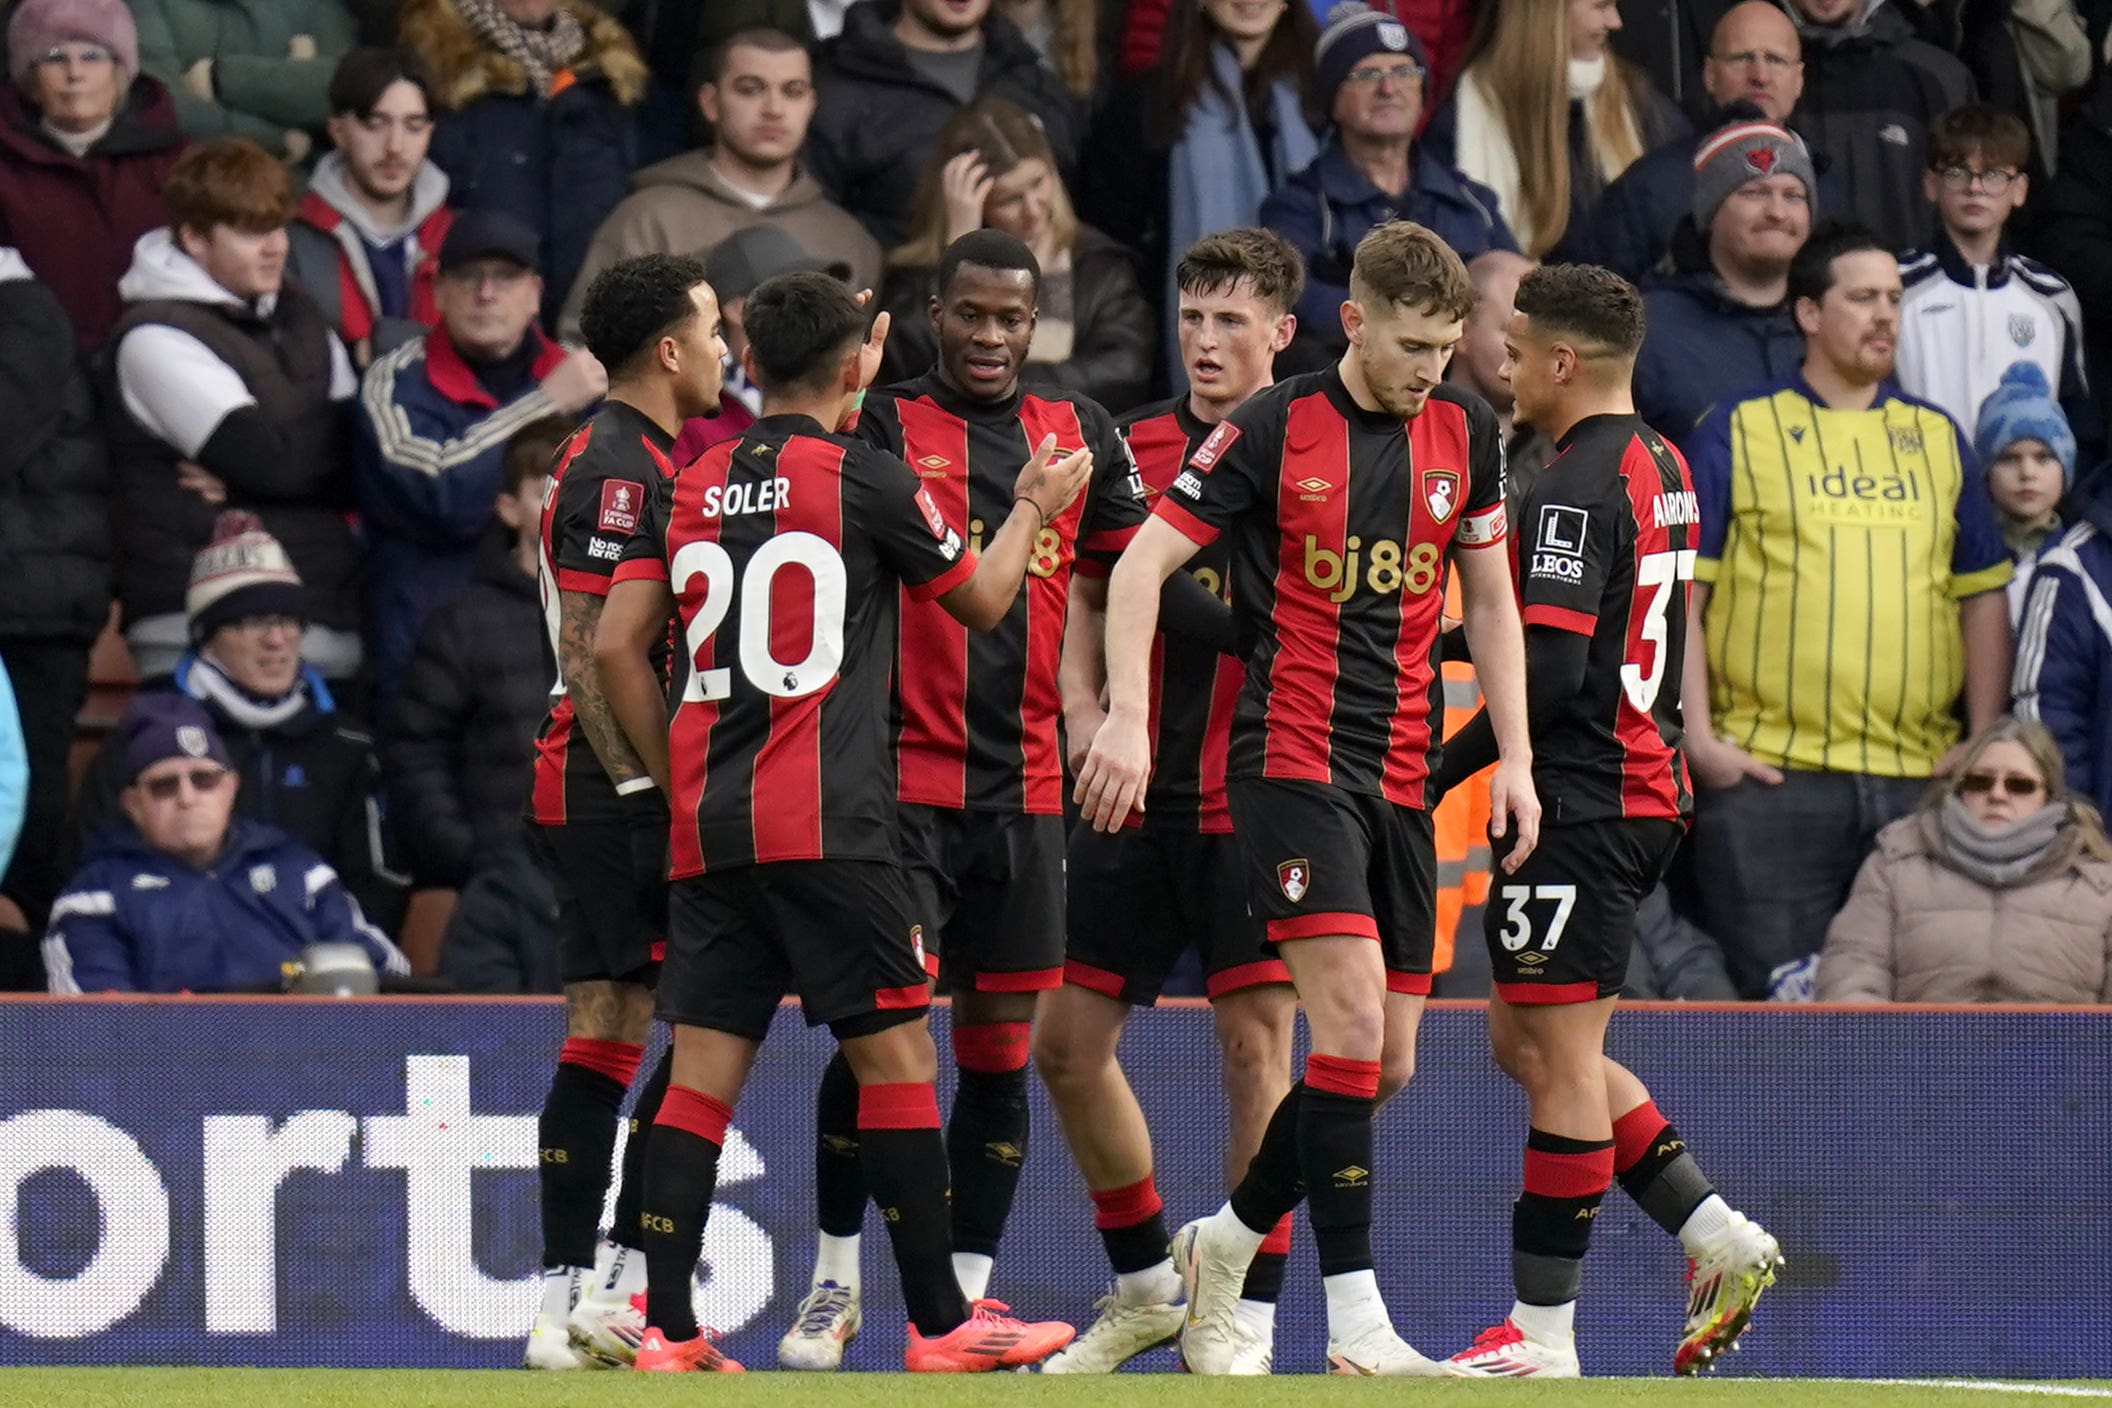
column 2024, row 443
column 1973, row 305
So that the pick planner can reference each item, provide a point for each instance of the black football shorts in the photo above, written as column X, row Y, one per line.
column 611, row 883
column 839, row 934
column 1560, row 929
column 1321, row 862
column 988, row 887
column 1142, row 896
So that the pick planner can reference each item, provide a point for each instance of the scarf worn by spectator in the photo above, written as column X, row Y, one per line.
column 541, row 53
column 210, row 682
column 2002, row 858
column 1216, row 175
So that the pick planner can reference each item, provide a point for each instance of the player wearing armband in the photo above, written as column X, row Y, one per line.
column 783, row 554
column 1605, row 548
column 1346, row 494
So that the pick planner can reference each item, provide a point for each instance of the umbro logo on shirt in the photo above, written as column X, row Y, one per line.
column 1313, row 489
column 933, row 467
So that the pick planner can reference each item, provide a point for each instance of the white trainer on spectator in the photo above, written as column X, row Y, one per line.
column 1504, row 1352
column 825, row 1322
column 1119, row 1334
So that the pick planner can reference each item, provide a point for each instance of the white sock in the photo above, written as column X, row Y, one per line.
column 836, row 1259
column 972, row 1270
column 1154, row 1285
column 1354, row 1305
column 1226, row 1227
column 1546, row 1324
column 560, row 1289
column 628, row 1271
column 1257, row 1318
column 1704, row 1222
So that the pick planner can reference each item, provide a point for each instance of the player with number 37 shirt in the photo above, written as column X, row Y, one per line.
column 1605, row 550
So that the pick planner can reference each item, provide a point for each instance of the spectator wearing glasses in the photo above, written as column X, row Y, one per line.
column 433, row 421
column 182, row 895
column 306, row 767
column 1753, row 72
column 1974, row 305
column 366, row 237
column 86, row 143
column 1998, row 888
column 1369, row 72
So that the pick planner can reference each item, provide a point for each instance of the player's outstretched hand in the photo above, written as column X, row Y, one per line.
column 875, row 346
column 1111, row 782
column 1052, row 486
column 1514, row 803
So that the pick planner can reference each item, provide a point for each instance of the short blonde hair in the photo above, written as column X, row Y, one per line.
column 1401, row 263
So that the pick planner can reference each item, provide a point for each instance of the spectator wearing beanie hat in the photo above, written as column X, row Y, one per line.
column 86, row 144
column 1369, row 72
column 1718, row 323
column 189, row 896
column 305, row 767
column 2027, row 450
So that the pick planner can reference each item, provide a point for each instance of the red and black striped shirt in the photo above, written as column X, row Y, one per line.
column 1342, row 522
column 1605, row 548
column 979, row 710
column 600, row 485
column 785, row 549
column 1193, row 687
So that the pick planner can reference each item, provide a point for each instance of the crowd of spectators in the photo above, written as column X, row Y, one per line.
column 289, row 300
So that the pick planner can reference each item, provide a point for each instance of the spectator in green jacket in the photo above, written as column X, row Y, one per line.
column 249, row 68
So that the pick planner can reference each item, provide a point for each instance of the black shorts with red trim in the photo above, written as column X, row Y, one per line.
column 1143, row 896
column 1560, row 930
column 1322, row 861
column 989, row 888
column 840, row 934
column 611, row 882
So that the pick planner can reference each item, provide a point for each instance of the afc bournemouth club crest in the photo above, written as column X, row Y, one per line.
column 1294, row 878
column 1440, row 493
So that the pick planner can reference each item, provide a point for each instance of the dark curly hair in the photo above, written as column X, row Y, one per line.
column 633, row 304
column 1586, row 302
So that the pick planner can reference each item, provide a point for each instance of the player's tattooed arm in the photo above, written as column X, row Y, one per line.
column 579, row 614
column 633, row 621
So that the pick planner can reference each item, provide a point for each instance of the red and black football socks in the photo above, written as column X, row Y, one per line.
column 986, row 1138
column 681, row 1173
column 1273, row 1185
column 630, row 1188
column 839, row 1178
column 904, row 1160
column 577, row 1135
column 1264, row 1283
column 1132, row 1224
column 1335, row 1156
column 1651, row 1160
column 1565, row 1180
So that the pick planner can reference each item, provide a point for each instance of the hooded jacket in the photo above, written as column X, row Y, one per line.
column 558, row 161
column 255, row 393
column 877, row 115
column 76, row 218
column 134, row 919
column 1114, row 334
column 1916, row 929
column 1702, row 345
column 334, row 242
column 683, row 206
column 463, row 728
column 1871, row 89
column 54, row 472
column 431, row 455
column 313, row 775
column 2063, row 675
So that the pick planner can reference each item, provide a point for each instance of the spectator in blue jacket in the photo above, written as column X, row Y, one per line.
column 183, row 897
column 434, row 418
column 1719, row 323
column 2063, row 676
column 537, row 116
column 1369, row 71
column 2027, row 449
column 14, row 772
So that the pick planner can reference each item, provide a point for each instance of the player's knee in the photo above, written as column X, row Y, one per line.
column 1067, row 1059
column 607, row 1010
column 1251, row 1057
column 1396, row 1069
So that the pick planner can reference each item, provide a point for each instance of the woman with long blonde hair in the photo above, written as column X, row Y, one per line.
column 1546, row 115
column 992, row 166
column 1998, row 888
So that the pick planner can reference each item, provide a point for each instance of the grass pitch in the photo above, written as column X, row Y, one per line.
column 407, row 1388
